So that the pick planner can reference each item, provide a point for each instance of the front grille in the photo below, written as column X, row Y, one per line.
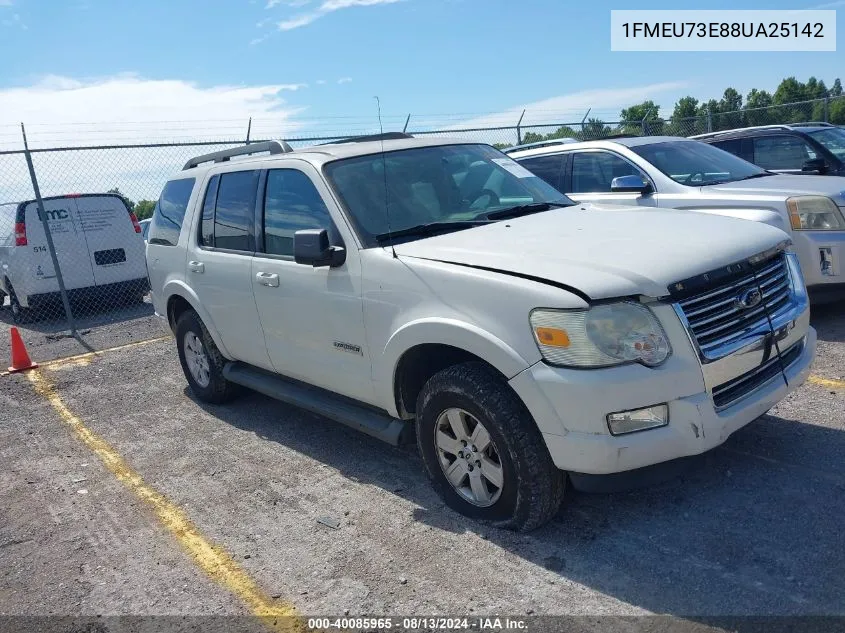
column 714, row 316
column 727, row 393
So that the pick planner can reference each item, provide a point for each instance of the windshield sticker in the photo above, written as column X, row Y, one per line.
column 513, row 167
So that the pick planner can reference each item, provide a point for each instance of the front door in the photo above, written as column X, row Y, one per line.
column 591, row 173
column 312, row 317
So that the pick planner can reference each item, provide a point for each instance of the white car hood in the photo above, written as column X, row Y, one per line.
column 786, row 185
column 604, row 251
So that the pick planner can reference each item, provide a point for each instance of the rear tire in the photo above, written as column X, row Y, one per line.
column 202, row 362
column 20, row 314
column 501, row 469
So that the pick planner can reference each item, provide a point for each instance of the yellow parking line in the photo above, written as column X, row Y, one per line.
column 85, row 359
column 213, row 560
column 827, row 382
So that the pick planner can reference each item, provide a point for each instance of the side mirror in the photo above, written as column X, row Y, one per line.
column 312, row 247
column 814, row 165
column 630, row 184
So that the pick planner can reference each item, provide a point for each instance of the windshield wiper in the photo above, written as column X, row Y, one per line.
column 762, row 174
column 524, row 209
column 430, row 228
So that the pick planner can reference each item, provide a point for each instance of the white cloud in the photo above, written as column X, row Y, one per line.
column 572, row 107
column 127, row 109
column 5, row 3
column 321, row 82
column 328, row 6
column 344, row 80
column 828, row 5
column 15, row 21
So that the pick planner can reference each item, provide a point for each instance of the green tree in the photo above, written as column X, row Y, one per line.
column 128, row 202
column 685, row 119
column 596, row 128
column 836, row 89
column 755, row 102
column 730, row 106
column 144, row 209
column 631, row 118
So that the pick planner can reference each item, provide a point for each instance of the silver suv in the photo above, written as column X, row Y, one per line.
column 435, row 288
column 676, row 173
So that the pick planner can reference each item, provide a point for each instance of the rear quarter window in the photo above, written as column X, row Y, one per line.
column 169, row 212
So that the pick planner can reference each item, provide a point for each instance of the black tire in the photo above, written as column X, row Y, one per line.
column 20, row 314
column 533, row 487
column 218, row 390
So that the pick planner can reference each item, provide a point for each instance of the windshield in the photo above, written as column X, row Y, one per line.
column 696, row 164
column 833, row 139
column 445, row 183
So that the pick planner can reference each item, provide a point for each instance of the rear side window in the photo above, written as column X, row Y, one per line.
column 782, row 152
column 292, row 203
column 234, row 211
column 207, row 224
column 734, row 146
column 548, row 168
column 170, row 212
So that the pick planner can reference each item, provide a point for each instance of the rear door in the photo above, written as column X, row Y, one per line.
column 220, row 264
column 115, row 248
column 38, row 275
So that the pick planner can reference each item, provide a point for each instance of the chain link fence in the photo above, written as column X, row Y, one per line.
column 75, row 261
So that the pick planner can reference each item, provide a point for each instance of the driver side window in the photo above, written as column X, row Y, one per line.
column 291, row 203
column 593, row 172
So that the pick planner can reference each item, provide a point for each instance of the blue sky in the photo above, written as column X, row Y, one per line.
column 313, row 60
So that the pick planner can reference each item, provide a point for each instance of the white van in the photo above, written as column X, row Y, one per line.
column 98, row 242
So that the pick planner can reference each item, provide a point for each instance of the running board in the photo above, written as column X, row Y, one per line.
column 325, row 403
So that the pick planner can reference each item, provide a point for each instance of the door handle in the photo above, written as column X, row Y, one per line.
column 268, row 279
column 196, row 267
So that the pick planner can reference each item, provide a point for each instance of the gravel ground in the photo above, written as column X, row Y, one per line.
column 48, row 340
column 753, row 527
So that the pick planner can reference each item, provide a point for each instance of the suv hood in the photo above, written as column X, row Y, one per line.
column 603, row 251
column 786, row 185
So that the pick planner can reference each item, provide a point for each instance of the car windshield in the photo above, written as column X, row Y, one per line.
column 833, row 139
column 696, row 164
column 431, row 186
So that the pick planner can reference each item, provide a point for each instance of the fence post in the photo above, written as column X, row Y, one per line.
column 519, row 129
column 582, row 122
column 709, row 120
column 248, row 130
column 408, row 120
column 43, row 215
column 827, row 109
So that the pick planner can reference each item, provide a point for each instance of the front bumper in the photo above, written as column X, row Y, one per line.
column 694, row 424
column 822, row 257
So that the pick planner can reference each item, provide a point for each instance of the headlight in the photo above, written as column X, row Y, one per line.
column 604, row 335
column 814, row 213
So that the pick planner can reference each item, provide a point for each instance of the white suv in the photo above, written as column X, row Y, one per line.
column 399, row 285
column 677, row 173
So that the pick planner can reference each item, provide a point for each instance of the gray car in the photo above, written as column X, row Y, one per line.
column 679, row 173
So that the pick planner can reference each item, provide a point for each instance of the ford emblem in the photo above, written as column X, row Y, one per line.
column 748, row 299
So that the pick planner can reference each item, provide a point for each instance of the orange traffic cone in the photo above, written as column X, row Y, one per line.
column 20, row 359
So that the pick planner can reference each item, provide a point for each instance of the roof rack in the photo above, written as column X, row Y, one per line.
column 274, row 147
column 774, row 126
column 536, row 144
column 387, row 136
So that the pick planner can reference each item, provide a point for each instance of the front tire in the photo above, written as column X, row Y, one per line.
column 202, row 362
column 483, row 451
